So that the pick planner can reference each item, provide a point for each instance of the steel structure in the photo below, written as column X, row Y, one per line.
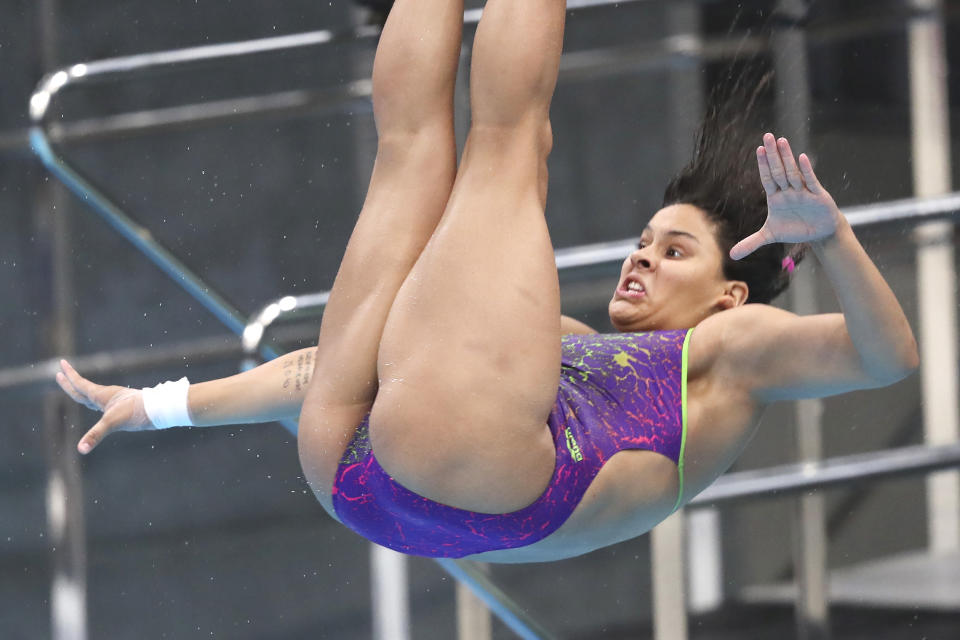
column 775, row 481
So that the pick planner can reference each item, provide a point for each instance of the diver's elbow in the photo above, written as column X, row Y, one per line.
column 894, row 375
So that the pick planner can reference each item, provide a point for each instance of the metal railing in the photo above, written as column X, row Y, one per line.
column 788, row 479
column 40, row 142
column 773, row 481
column 81, row 73
column 907, row 211
column 732, row 486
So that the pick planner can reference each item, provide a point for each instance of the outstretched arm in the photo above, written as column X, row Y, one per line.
column 786, row 356
column 272, row 391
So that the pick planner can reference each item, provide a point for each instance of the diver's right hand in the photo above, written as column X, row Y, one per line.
column 122, row 407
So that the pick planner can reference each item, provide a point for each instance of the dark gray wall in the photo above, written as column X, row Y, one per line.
column 200, row 533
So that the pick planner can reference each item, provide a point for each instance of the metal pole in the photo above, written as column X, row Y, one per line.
column 389, row 583
column 702, row 562
column 583, row 63
column 936, row 279
column 668, row 550
column 137, row 234
column 809, row 529
column 355, row 95
column 68, row 589
column 508, row 611
column 389, row 594
column 668, row 540
column 669, row 594
column 910, row 211
column 474, row 621
column 145, row 62
column 833, row 472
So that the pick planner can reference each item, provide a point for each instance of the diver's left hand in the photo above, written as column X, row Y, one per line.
column 799, row 209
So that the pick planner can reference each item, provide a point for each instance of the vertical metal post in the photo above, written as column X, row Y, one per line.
column 702, row 561
column 668, row 539
column 389, row 585
column 669, row 594
column 789, row 48
column 474, row 621
column 686, row 86
column 936, row 279
column 68, row 592
column 809, row 527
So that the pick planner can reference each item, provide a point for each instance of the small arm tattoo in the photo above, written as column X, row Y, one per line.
column 297, row 374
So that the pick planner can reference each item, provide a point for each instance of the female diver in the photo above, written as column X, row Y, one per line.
column 502, row 431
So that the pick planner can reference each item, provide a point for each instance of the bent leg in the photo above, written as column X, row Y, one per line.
column 413, row 83
column 470, row 355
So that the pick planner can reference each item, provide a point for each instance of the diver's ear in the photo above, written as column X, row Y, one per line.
column 735, row 294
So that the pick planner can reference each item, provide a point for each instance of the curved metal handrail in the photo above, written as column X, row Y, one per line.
column 138, row 235
column 57, row 80
column 913, row 211
column 787, row 479
column 496, row 600
column 252, row 335
column 805, row 476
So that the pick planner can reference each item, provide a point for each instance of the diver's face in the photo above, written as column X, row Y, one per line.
column 674, row 279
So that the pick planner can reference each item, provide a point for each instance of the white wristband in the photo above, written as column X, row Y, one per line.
column 166, row 404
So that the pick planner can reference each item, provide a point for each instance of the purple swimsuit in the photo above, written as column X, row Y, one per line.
column 617, row 391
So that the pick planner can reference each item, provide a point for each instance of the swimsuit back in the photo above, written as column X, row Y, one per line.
column 616, row 392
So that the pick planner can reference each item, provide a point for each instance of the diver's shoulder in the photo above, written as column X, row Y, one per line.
column 712, row 336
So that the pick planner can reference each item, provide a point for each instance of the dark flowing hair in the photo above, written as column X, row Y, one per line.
column 722, row 180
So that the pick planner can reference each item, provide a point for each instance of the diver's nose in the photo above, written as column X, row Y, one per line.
column 639, row 259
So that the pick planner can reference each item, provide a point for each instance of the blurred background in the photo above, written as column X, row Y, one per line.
column 250, row 169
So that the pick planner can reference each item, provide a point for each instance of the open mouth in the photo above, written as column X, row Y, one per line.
column 632, row 289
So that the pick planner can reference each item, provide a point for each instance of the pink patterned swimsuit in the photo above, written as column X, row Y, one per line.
column 617, row 392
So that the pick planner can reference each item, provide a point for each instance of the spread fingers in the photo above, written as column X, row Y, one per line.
column 774, row 162
column 789, row 164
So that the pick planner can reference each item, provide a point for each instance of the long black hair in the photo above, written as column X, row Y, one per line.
column 722, row 180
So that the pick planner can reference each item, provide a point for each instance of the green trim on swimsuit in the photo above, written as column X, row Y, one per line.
column 683, row 408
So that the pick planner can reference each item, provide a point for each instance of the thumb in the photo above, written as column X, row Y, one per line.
column 748, row 245
column 93, row 437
